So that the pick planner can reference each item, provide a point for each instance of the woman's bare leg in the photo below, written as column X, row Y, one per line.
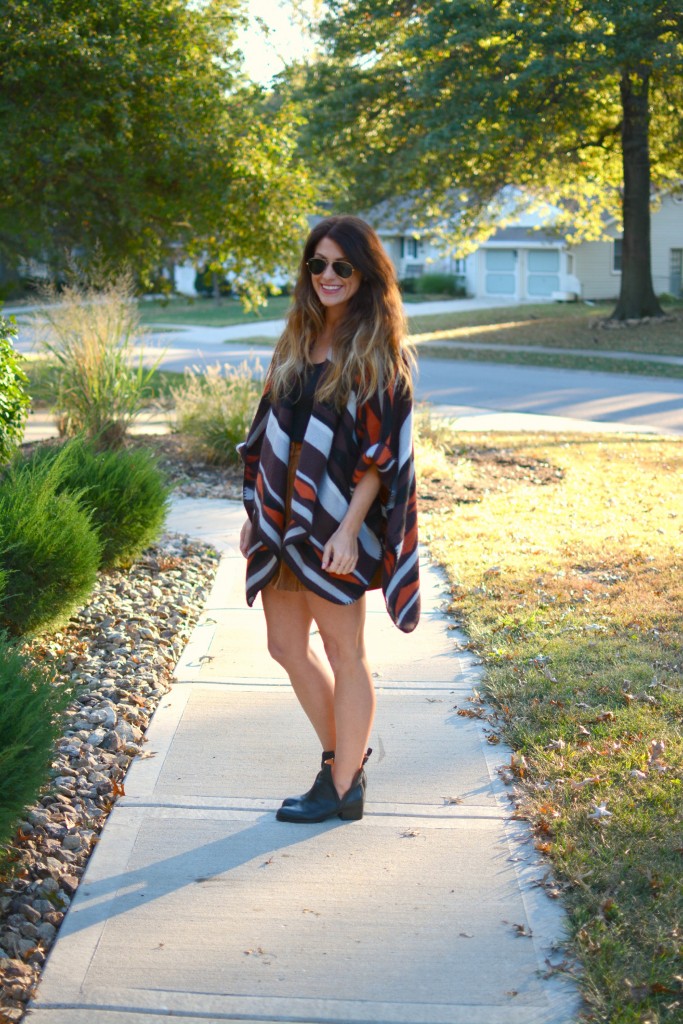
column 288, row 620
column 341, row 628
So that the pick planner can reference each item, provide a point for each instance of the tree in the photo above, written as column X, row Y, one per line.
column 129, row 125
column 446, row 102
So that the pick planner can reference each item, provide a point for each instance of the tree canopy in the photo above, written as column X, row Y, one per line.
column 129, row 125
column 446, row 102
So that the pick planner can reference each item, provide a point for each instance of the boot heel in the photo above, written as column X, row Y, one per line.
column 351, row 806
column 352, row 811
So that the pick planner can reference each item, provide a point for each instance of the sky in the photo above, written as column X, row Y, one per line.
column 265, row 55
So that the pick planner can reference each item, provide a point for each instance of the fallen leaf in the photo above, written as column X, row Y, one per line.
column 600, row 813
column 452, row 799
column 518, row 765
column 410, row 833
column 592, row 780
column 605, row 716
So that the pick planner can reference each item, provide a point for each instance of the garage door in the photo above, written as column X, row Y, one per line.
column 543, row 273
column 501, row 272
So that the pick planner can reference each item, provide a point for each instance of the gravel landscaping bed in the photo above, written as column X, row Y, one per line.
column 118, row 653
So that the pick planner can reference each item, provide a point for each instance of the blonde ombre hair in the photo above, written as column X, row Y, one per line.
column 369, row 349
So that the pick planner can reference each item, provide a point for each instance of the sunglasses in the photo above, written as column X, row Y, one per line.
column 317, row 265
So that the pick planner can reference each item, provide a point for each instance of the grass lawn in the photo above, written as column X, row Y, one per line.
column 553, row 325
column 568, row 579
column 209, row 313
column 561, row 360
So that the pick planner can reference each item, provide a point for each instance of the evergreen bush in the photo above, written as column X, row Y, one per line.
column 49, row 551
column 214, row 409
column 30, row 723
column 14, row 398
column 440, row 284
column 124, row 492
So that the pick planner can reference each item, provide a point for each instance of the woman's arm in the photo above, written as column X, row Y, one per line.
column 340, row 554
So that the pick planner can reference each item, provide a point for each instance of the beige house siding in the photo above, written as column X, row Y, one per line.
column 593, row 260
column 667, row 234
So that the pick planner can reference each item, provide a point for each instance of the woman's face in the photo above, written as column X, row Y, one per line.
column 333, row 291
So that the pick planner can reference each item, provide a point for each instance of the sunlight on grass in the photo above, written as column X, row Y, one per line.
column 464, row 332
column 573, row 594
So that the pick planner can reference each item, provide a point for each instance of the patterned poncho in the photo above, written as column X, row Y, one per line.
column 337, row 449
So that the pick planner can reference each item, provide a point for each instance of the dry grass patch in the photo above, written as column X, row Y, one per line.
column 573, row 594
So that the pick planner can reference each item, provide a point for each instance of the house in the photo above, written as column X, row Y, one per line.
column 527, row 261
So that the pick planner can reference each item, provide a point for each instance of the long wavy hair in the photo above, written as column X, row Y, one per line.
column 369, row 348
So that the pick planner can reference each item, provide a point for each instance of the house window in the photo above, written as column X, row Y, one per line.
column 617, row 250
column 410, row 248
column 676, row 275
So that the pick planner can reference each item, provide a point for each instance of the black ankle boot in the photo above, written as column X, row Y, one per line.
column 328, row 755
column 323, row 801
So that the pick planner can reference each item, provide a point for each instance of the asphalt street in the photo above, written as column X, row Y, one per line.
column 644, row 402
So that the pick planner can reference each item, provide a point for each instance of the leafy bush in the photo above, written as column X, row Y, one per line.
column 32, row 709
column 49, row 551
column 214, row 410
column 407, row 285
column 14, row 399
column 440, row 284
column 91, row 328
column 123, row 491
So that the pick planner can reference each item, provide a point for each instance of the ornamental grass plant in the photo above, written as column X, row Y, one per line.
column 123, row 492
column 49, row 549
column 30, row 723
column 214, row 409
column 91, row 328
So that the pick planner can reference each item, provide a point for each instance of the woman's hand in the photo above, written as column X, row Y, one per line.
column 340, row 554
column 245, row 537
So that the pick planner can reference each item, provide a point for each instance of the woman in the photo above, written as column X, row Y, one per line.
column 329, row 489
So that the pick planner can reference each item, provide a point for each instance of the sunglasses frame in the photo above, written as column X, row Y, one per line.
column 335, row 267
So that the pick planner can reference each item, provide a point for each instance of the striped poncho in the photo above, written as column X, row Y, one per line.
column 337, row 449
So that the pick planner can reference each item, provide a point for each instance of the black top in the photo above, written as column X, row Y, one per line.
column 303, row 405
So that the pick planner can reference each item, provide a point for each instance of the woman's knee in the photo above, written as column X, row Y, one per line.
column 286, row 650
column 342, row 654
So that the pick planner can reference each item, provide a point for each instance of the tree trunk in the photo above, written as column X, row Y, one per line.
column 637, row 297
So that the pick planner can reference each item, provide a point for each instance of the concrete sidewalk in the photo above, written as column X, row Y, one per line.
column 198, row 905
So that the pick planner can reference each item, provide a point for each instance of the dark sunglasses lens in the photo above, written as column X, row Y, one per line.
column 317, row 265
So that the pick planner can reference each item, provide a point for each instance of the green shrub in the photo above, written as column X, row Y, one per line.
column 91, row 328
column 49, row 551
column 407, row 285
column 30, row 723
column 14, row 398
column 214, row 410
column 210, row 283
column 123, row 491
column 440, row 284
